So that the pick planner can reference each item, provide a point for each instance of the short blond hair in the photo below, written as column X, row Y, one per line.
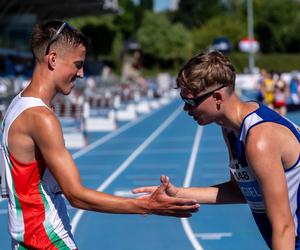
column 205, row 70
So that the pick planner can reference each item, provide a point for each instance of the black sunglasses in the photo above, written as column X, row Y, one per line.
column 57, row 33
column 194, row 102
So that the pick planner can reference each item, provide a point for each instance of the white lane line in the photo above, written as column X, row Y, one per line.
column 187, row 182
column 110, row 136
column 126, row 193
column 128, row 161
column 213, row 236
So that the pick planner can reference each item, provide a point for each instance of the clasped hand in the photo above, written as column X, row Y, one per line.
column 162, row 200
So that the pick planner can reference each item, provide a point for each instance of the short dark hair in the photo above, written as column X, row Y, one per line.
column 204, row 70
column 42, row 34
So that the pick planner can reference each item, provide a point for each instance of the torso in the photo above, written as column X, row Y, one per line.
column 31, row 186
column 288, row 137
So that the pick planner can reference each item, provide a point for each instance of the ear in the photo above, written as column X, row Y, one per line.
column 51, row 59
column 218, row 97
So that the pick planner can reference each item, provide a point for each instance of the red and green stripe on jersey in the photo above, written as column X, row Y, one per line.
column 32, row 206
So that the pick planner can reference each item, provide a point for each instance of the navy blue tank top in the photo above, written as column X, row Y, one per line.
column 246, row 180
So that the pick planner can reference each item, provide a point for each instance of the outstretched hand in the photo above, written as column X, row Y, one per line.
column 170, row 189
column 162, row 200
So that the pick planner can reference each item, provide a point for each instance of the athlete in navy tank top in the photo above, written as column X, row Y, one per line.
column 247, row 181
column 263, row 150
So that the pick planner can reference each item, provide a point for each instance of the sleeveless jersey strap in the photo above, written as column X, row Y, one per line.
column 18, row 105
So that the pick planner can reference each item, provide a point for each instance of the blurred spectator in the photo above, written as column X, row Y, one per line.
column 20, row 82
column 259, row 85
column 76, row 98
column 131, row 70
column 107, row 75
column 12, row 65
column 280, row 94
column 294, row 86
column 163, row 83
column 268, row 90
column 85, row 115
column 3, row 89
column 90, row 87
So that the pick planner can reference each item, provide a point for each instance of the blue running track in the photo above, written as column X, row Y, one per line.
column 168, row 142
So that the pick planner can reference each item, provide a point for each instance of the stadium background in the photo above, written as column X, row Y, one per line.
column 134, row 128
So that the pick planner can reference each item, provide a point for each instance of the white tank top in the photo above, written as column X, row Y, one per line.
column 37, row 212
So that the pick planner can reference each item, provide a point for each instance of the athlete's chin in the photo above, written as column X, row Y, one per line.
column 71, row 87
column 66, row 91
column 202, row 122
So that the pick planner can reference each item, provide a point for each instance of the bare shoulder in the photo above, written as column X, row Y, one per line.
column 265, row 135
column 33, row 120
column 269, row 133
column 42, row 118
column 273, row 141
column 34, row 128
column 42, row 123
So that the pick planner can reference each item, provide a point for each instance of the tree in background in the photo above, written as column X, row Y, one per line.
column 127, row 22
column 277, row 25
column 117, row 47
column 142, row 7
column 131, row 17
column 234, row 7
column 219, row 26
column 168, row 38
column 162, row 40
column 100, row 32
column 292, row 38
column 146, row 4
column 194, row 13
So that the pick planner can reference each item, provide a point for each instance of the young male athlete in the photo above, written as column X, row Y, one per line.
column 263, row 150
column 38, row 167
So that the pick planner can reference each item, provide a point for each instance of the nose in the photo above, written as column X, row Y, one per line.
column 80, row 73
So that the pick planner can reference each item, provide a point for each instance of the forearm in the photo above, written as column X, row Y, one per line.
column 283, row 239
column 225, row 193
column 89, row 199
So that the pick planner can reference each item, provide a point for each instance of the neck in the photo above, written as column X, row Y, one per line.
column 41, row 87
column 235, row 110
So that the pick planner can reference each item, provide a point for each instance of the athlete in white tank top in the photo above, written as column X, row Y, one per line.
column 31, row 187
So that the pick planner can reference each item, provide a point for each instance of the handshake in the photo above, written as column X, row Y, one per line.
column 165, row 200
